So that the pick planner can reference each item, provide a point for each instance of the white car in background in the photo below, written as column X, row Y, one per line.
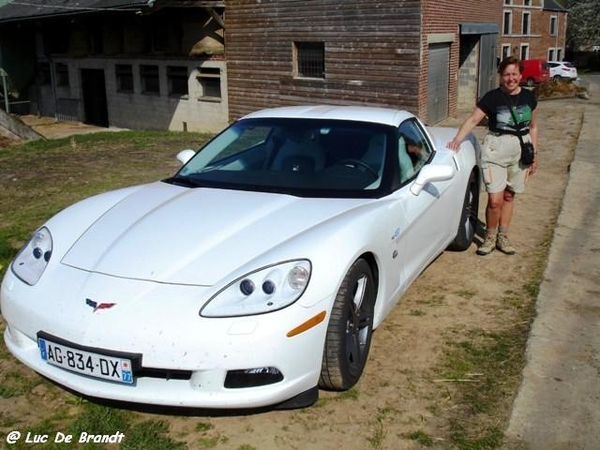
column 560, row 70
column 254, row 275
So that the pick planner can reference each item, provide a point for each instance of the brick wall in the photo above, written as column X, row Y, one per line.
column 445, row 16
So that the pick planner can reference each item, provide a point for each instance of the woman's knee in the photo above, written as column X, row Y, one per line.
column 495, row 201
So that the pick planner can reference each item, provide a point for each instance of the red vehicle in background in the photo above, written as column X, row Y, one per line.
column 535, row 71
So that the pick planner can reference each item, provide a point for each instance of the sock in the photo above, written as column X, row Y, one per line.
column 492, row 231
column 503, row 230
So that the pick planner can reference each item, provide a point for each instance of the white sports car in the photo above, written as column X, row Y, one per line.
column 253, row 276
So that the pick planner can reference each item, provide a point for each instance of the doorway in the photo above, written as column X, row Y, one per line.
column 94, row 97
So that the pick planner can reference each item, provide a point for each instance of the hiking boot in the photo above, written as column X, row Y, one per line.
column 489, row 244
column 503, row 244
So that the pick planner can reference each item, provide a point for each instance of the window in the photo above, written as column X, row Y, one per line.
column 526, row 23
column 508, row 2
column 551, row 55
column 414, row 149
column 527, row 2
column 62, row 74
column 553, row 26
column 524, row 51
column 507, row 25
column 309, row 59
column 124, row 74
column 505, row 51
column 209, row 79
column 150, row 79
column 44, row 73
column 177, row 78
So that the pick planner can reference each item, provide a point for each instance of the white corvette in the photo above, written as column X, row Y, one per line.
column 253, row 276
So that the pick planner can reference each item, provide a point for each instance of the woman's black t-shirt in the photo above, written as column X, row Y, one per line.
column 495, row 105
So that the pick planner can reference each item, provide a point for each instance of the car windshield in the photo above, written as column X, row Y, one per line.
column 303, row 157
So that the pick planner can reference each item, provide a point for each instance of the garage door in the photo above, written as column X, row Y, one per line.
column 438, row 79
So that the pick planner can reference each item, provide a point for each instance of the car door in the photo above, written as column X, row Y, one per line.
column 425, row 229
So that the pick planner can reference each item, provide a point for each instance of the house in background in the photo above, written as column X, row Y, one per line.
column 132, row 64
column 534, row 29
column 422, row 55
column 189, row 65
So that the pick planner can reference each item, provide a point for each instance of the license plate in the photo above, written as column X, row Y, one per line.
column 85, row 362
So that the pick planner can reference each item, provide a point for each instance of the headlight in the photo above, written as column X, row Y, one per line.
column 265, row 290
column 33, row 257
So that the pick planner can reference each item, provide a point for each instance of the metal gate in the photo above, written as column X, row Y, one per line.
column 438, row 80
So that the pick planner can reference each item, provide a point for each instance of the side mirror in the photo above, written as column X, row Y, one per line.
column 429, row 174
column 185, row 155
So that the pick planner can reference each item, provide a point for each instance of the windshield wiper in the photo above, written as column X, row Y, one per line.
column 183, row 181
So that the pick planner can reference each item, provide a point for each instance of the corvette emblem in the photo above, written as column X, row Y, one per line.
column 97, row 306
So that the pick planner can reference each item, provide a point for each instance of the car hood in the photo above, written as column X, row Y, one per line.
column 171, row 234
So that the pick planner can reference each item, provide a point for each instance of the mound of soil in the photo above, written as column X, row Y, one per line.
column 559, row 89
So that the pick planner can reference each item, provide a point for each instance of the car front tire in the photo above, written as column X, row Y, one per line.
column 349, row 331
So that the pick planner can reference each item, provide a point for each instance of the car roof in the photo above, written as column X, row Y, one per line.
column 386, row 116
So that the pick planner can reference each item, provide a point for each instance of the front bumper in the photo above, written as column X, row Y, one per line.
column 161, row 323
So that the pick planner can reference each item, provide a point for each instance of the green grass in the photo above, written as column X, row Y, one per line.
column 380, row 428
column 421, row 437
column 481, row 369
column 150, row 435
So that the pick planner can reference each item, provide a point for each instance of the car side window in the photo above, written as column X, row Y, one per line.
column 414, row 149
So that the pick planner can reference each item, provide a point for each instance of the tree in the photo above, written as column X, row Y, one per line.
column 583, row 29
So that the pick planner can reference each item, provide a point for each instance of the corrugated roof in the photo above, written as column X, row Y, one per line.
column 13, row 10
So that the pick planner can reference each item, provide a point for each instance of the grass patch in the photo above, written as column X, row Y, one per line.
column 421, row 437
column 150, row 435
column 98, row 419
column 486, row 361
column 481, row 369
column 203, row 427
column 380, row 429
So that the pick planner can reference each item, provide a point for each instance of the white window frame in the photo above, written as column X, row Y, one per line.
column 524, row 51
column 553, row 26
column 526, row 32
column 510, row 22
column 506, row 51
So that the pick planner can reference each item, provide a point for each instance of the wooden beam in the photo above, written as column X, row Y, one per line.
column 215, row 15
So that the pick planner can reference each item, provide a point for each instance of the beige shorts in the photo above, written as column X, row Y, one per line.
column 501, row 167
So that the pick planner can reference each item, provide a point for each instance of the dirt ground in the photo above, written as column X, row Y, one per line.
column 403, row 400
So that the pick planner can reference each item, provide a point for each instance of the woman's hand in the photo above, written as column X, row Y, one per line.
column 454, row 144
column 534, row 166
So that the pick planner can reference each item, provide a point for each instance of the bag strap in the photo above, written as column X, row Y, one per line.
column 514, row 116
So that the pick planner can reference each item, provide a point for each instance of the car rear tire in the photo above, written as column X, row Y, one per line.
column 468, row 218
column 349, row 331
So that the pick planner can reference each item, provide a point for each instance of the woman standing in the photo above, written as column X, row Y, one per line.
column 503, row 173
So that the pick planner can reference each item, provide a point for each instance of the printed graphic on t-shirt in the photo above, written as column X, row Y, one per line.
column 505, row 120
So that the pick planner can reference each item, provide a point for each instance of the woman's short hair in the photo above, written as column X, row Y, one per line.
column 510, row 60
